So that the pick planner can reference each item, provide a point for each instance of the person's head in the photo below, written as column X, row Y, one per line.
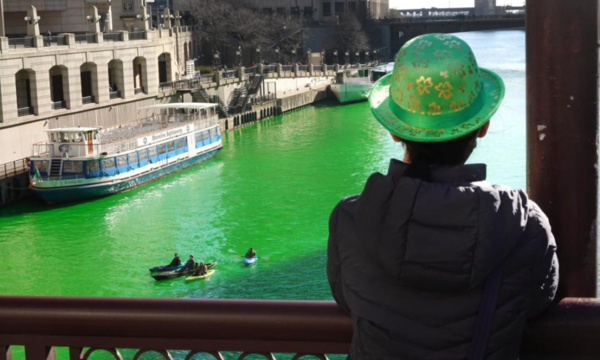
column 444, row 153
column 175, row 255
column 250, row 250
column 201, row 263
column 191, row 257
column 437, row 101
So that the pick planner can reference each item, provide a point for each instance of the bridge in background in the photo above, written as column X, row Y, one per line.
column 406, row 29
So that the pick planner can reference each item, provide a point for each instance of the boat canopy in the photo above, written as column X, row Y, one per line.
column 195, row 106
column 72, row 130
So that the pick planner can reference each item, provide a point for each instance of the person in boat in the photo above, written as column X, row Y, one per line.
column 176, row 261
column 190, row 264
column 431, row 251
column 201, row 269
column 251, row 253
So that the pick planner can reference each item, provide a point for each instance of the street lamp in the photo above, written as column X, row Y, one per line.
column 336, row 59
column 346, row 57
column 93, row 19
column 357, row 56
column 166, row 18
column 238, row 56
column 294, row 58
column 258, row 54
column 308, row 56
column 32, row 20
column 323, row 57
column 367, row 58
column 216, row 59
column 277, row 54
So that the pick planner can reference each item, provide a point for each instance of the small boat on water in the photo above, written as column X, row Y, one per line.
column 355, row 83
column 249, row 261
column 166, row 268
column 208, row 274
column 80, row 163
column 178, row 273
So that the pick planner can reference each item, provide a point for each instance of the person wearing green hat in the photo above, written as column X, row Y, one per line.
column 432, row 261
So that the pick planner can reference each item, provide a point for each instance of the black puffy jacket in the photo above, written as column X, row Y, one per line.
column 408, row 260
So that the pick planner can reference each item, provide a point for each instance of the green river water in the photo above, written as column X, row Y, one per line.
column 272, row 187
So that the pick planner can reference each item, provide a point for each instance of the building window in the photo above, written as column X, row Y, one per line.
column 326, row 9
column 339, row 7
column 353, row 6
column 281, row 11
column 108, row 164
column 308, row 11
column 93, row 167
column 73, row 167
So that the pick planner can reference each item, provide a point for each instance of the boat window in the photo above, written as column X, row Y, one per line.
column 152, row 152
column 108, row 163
column 179, row 143
column 63, row 137
column 162, row 148
column 184, row 141
column 171, row 145
column 73, row 167
column 143, row 155
column 93, row 166
column 122, row 161
column 41, row 165
column 198, row 137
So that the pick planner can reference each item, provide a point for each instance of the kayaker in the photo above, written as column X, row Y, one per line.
column 190, row 264
column 251, row 253
column 176, row 261
column 200, row 270
column 431, row 251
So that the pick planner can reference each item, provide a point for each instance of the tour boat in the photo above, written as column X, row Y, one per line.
column 86, row 162
column 355, row 83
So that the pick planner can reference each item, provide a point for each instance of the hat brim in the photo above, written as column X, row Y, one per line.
column 412, row 126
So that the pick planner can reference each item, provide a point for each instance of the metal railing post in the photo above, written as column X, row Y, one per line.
column 562, row 132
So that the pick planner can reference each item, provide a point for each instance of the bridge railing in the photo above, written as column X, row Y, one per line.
column 13, row 168
column 86, row 325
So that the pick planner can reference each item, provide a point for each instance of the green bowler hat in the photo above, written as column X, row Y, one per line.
column 437, row 92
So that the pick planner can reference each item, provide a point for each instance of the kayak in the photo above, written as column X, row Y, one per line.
column 201, row 277
column 250, row 261
column 166, row 268
column 178, row 273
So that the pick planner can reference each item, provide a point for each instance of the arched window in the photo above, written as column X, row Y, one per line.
column 25, row 83
column 89, row 83
column 115, row 79
column 59, row 87
column 140, row 77
column 164, row 68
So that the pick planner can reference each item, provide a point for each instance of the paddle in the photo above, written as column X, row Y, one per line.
column 266, row 258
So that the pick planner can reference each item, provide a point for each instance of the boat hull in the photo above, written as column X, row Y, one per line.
column 347, row 93
column 55, row 195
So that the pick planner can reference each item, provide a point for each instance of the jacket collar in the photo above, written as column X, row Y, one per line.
column 444, row 174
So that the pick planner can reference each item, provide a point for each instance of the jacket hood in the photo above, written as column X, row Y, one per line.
column 447, row 234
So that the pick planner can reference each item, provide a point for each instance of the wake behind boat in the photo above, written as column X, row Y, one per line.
column 354, row 83
column 86, row 162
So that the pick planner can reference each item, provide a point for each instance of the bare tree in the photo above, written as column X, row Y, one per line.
column 232, row 23
column 350, row 33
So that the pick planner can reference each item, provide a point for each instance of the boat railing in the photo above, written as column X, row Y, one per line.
column 65, row 150
column 88, row 325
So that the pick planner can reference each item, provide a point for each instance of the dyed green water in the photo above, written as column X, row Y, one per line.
column 272, row 187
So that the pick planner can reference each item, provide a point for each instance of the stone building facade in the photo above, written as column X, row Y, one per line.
column 92, row 79
column 70, row 16
column 318, row 10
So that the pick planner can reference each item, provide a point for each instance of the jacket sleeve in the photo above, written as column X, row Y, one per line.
column 546, row 271
column 334, row 265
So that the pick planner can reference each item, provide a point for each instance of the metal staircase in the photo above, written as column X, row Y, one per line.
column 56, row 168
column 200, row 95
